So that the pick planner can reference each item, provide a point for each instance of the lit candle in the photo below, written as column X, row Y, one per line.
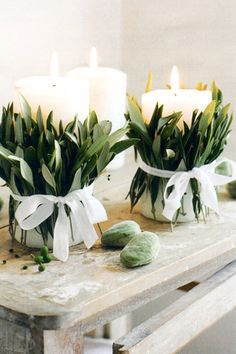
column 65, row 97
column 176, row 100
column 107, row 94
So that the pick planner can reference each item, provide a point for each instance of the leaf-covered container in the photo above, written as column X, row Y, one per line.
column 40, row 158
column 166, row 146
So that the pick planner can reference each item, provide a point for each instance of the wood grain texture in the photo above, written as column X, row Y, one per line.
column 93, row 288
column 15, row 339
column 63, row 342
column 183, row 320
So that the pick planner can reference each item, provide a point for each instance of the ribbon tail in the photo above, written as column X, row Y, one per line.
column 61, row 235
column 94, row 208
column 208, row 193
column 82, row 225
column 172, row 202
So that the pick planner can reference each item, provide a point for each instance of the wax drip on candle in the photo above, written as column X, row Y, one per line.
column 54, row 68
column 174, row 80
column 93, row 61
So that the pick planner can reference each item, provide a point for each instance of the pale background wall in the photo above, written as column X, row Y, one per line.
column 31, row 30
column 137, row 36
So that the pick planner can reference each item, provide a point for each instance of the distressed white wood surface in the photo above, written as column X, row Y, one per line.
column 171, row 329
column 17, row 339
column 93, row 287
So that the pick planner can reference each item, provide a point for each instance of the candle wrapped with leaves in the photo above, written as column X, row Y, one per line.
column 177, row 164
column 50, row 171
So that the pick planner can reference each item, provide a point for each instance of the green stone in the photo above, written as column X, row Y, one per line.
column 142, row 249
column 120, row 234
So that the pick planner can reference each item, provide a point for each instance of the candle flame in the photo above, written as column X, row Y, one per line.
column 93, row 61
column 174, row 79
column 54, row 67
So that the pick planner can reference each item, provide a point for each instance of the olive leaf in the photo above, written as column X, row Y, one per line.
column 149, row 82
column 48, row 177
column 25, row 170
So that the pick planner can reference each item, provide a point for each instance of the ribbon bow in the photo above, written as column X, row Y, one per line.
column 205, row 175
column 85, row 210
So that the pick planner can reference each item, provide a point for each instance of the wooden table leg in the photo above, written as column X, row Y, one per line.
column 15, row 339
column 66, row 341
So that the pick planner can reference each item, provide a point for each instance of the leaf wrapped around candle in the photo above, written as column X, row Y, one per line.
column 39, row 158
column 165, row 146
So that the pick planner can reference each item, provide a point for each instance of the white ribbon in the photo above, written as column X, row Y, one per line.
column 85, row 210
column 179, row 180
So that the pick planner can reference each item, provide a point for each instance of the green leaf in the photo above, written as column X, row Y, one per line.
column 209, row 111
column 39, row 118
column 25, row 170
column 135, row 114
column 57, row 156
column 96, row 147
column 48, row 177
column 92, row 121
column 123, row 145
column 4, row 152
column 117, row 135
column 207, row 117
column 72, row 138
column 71, row 126
column 143, row 134
column 26, row 111
column 106, row 126
column 89, row 167
column 216, row 93
column 76, row 184
column 49, row 122
column 19, row 136
column 19, row 152
column 12, row 182
column 156, row 146
column 40, row 148
column 8, row 128
column 50, row 137
column 149, row 82
column 103, row 158
column 97, row 132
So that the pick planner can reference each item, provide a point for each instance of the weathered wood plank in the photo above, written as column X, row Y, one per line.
column 15, row 339
column 94, row 288
column 67, row 341
column 183, row 320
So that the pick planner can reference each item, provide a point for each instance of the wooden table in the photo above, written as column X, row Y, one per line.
column 49, row 312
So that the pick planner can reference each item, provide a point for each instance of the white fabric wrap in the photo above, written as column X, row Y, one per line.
column 86, row 210
column 179, row 180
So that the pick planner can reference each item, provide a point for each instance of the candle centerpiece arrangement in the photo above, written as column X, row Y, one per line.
column 50, row 170
column 182, row 133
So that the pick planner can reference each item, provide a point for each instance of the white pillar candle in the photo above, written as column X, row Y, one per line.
column 65, row 97
column 107, row 94
column 176, row 100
